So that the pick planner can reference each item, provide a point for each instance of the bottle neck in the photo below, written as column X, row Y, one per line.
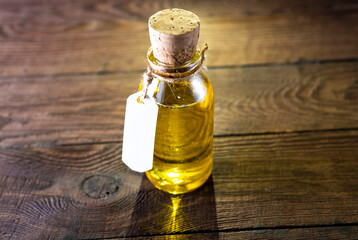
column 176, row 72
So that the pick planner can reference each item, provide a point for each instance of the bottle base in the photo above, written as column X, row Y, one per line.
column 180, row 187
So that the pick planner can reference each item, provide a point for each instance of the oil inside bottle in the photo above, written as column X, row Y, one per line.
column 184, row 134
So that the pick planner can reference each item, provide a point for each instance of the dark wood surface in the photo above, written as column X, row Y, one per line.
column 67, row 37
column 42, row 111
column 285, row 75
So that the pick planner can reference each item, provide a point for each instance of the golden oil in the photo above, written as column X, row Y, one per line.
column 184, row 134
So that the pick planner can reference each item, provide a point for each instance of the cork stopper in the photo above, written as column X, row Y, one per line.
column 174, row 35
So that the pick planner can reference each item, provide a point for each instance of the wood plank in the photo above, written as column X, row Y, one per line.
column 55, row 110
column 346, row 232
column 50, row 38
column 14, row 10
column 258, row 182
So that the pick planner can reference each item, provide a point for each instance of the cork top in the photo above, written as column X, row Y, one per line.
column 174, row 35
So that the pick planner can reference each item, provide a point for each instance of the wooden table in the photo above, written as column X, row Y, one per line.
column 285, row 75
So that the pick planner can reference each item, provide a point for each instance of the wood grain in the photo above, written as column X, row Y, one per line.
column 94, row 36
column 261, row 185
column 44, row 111
column 139, row 10
column 347, row 232
column 286, row 121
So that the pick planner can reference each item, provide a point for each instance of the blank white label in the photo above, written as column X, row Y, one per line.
column 139, row 133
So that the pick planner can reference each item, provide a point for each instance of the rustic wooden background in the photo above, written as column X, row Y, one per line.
column 285, row 75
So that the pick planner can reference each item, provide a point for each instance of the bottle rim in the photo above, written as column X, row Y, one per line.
column 169, row 71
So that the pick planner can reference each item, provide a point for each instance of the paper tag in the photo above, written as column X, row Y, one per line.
column 139, row 133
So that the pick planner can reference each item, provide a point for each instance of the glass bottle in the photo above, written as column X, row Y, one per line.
column 183, row 149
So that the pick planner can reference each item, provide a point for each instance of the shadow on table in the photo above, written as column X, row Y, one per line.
column 158, row 213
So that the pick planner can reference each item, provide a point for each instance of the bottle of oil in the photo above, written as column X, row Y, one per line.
column 184, row 133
